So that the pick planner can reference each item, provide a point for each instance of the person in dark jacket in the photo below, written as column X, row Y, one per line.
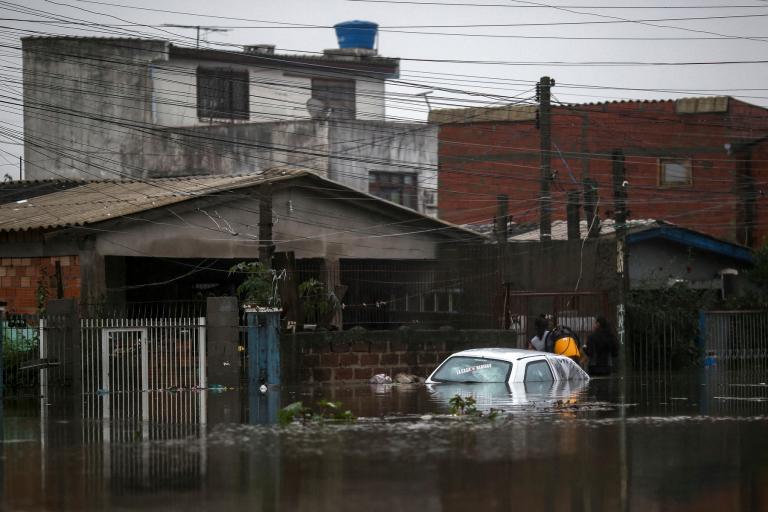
column 601, row 348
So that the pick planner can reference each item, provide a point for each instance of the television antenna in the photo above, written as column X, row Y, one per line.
column 199, row 28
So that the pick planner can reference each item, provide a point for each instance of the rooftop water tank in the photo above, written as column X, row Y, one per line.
column 356, row 34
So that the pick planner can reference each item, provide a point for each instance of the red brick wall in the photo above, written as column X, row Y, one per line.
column 357, row 356
column 19, row 279
column 480, row 160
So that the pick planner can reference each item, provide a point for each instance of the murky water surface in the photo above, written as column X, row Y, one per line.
column 680, row 442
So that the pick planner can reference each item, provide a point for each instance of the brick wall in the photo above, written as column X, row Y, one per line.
column 357, row 355
column 20, row 277
column 479, row 160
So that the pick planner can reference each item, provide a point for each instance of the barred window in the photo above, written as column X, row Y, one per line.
column 222, row 93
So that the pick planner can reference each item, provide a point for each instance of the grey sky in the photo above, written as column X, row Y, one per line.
column 732, row 79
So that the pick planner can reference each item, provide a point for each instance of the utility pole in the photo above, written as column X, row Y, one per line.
column 502, row 218
column 544, row 97
column 266, row 245
column 622, row 256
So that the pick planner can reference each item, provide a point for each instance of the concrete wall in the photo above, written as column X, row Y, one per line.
column 360, row 148
column 357, row 355
column 655, row 263
column 119, row 108
column 83, row 100
column 309, row 224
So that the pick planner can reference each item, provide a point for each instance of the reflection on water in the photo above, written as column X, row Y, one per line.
column 652, row 442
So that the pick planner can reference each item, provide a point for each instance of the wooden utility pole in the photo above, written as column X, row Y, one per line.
column 545, row 154
column 620, row 185
column 266, row 245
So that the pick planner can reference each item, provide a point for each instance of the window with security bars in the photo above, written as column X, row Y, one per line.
column 398, row 187
column 222, row 93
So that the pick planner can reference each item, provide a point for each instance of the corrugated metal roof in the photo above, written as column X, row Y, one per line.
column 692, row 105
column 97, row 201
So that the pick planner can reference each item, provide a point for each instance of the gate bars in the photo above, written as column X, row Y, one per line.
column 142, row 354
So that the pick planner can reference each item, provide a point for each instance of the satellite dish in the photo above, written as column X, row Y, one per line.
column 318, row 109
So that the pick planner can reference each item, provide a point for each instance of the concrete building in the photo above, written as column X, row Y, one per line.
column 97, row 108
column 700, row 163
column 164, row 239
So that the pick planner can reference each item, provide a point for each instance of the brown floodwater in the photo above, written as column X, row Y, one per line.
column 650, row 442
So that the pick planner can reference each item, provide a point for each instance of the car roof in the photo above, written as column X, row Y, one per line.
column 505, row 354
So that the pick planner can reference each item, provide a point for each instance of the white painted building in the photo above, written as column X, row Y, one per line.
column 138, row 108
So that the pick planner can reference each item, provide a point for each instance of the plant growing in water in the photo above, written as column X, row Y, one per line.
column 461, row 406
column 259, row 287
column 325, row 411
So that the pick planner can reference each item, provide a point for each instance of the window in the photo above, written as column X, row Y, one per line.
column 397, row 187
column 337, row 97
column 538, row 371
column 473, row 369
column 675, row 172
column 222, row 93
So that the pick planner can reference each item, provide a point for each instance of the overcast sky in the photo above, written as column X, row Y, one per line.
column 556, row 33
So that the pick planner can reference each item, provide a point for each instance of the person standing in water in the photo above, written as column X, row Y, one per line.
column 601, row 348
column 538, row 342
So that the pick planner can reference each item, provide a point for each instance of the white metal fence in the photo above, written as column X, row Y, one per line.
column 124, row 359
column 738, row 336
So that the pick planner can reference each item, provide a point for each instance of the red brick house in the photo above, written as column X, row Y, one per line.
column 701, row 163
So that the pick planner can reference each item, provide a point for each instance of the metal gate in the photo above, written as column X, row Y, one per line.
column 124, row 359
column 575, row 310
column 736, row 337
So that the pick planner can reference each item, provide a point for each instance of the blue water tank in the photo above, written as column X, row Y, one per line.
column 356, row 34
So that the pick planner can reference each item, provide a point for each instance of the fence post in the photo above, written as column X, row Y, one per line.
column 222, row 338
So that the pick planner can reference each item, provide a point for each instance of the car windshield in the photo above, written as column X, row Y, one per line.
column 473, row 369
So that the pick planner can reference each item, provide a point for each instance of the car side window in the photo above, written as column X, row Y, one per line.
column 538, row 371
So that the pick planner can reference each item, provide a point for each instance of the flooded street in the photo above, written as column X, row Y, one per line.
column 681, row 442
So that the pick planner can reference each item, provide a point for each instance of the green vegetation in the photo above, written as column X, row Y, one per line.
column 461, row 406
column 259, row 287
column 324, row 411
column 318, row 303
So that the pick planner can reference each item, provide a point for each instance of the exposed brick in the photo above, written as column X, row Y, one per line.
column 427, row 358
column 310, row 360
column 389, row 359
column 369, row 359
column 321, row 374
column 349, row 359
column 363, row 373
column 329, row 359
column 344, row 373
column 340, row 346
column 409, row 358
column 398, row 346
column 361, row 346
column 379, row 348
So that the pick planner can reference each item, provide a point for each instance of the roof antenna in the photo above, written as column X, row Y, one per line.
column 206, row 31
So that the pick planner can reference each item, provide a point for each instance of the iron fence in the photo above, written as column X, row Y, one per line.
column 735, row 338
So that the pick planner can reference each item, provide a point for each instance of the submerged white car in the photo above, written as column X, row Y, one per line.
column 505, row 365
